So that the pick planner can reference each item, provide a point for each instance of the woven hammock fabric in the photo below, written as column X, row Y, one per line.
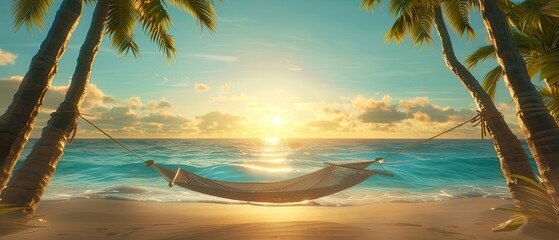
column 326, row 181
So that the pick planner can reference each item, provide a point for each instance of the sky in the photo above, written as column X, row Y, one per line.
column 295, row 69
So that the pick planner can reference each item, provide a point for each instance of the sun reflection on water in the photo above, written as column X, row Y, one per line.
column 272, row 153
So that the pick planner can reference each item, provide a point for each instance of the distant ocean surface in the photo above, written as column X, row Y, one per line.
column 436, row 171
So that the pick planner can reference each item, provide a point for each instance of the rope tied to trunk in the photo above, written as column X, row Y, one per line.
column 69, row 107
column 481, row 120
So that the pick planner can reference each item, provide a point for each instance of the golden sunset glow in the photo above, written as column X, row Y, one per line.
column 272, row 141
column 277, row 121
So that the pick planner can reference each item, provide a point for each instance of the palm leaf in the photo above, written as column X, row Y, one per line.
column 202, row 10
column 490, row 81
column 155, row 23
column 398, row 7
column 514, row 223
column 527, row 214
column 399, row 29
column 369, row 5
column 551, row 100
column 121, row 21
column 458, row 14
column 30, row 12
column 423, row 27
column 481, row 54
column 550, row 8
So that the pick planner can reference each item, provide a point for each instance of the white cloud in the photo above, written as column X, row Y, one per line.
column 7, row 58
column 200, row 87
column 219, row 58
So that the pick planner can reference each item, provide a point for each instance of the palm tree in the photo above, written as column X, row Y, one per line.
column 18, row 120
column 537, row 124
column 537, row 43
column 29, row 182
column 416, row 18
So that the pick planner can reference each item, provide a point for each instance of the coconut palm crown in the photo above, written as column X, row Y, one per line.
column 536, row 32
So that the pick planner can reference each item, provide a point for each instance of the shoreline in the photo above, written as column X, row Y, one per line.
column 122, row 219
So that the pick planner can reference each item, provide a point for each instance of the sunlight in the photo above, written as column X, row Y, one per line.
column 272, row 141
column 277, row 121
column 267, row 169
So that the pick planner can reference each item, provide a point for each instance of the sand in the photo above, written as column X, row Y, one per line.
column 119, row 219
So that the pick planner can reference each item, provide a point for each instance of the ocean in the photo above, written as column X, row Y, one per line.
column 435, row 171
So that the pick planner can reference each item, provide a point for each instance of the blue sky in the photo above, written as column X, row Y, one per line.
column 323, row 67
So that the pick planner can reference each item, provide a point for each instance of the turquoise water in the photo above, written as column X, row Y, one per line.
column 438, row 170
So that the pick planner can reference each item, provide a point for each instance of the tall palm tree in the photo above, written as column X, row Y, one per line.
column 29, row 182
column 18, row 120
column 537, row 43
column 416, row 19
column 537, row 124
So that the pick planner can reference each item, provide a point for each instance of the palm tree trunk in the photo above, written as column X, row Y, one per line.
column 537, row 124
column 512, row 157
column 30, row 181
column 17, row 122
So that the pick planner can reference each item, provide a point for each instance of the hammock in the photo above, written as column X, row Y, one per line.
column 326, row 181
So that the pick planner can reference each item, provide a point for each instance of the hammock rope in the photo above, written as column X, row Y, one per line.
column 479, row 119
column 326, row 181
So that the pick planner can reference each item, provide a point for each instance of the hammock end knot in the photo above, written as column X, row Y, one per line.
column 149, row 163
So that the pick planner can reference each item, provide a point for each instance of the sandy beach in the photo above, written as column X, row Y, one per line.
column 119, row 219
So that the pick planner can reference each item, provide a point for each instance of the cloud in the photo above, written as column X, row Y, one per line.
column 218, row 122
column 219, row 58
column 130, row 117
column 322, row 125
column 8, row 86
column 200, row 87
column 382, row 111
column 421, row 109
column 7, row 58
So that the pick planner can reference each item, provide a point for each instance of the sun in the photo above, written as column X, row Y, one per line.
column 277, row 121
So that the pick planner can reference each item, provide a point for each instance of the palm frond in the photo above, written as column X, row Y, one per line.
column 202, row 10
column 399, row 7
column 156, row 23
column 458, row 14
column 540, row 206
column 490, row 81
column 547, row 65
column 550, row 8
column 90, row 2
column 423, row 27
column 512, row 224
column 481, row 54
column 121, row 21
column 30, row 13
column 399, row 29
column 369, row 5
column 550, row 97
